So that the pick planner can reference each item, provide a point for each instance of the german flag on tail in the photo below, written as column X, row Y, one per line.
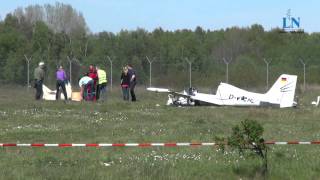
column 283, row 80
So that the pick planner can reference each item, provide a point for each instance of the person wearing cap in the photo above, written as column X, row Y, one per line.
column 38, row 79
column 102, row 84
column 86, row 86
column 61, row 79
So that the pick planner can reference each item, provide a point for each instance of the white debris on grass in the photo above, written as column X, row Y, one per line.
column 34, row 126
column 106, row 163
column 3, row 113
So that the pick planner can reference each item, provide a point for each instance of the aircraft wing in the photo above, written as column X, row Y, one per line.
column 161, row 90
column 175, row 98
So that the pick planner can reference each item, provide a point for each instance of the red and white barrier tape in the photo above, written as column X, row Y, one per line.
column 146, row 144
column 291, row 142
column 108, row 145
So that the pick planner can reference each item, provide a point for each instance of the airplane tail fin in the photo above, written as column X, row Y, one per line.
column 283, row 90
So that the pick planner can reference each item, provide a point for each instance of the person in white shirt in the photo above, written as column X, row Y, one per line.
column 86, row 85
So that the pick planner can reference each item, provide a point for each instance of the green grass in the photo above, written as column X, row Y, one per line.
column 23, row 120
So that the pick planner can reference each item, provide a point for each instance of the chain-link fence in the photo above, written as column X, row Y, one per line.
column 160, row 73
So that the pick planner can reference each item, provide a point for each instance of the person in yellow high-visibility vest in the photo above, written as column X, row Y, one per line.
column 102, row 84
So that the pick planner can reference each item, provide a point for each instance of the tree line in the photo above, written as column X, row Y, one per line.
column 54, row 33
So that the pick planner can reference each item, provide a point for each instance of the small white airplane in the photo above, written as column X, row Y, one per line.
column 49, row 94
column 281, row 95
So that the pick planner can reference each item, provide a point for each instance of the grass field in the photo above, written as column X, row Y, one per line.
column 23, row 120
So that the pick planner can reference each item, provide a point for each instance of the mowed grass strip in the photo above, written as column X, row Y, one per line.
column 23, row 120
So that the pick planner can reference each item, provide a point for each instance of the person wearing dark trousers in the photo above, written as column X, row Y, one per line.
column 133, row 81
column 61, row 79
column 102, row 84
column 93, row 74
column 125, row 83
column 38, row 80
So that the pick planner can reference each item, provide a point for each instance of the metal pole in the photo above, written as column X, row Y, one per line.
column 190, row 75
column 227, row 73
column 70, row 70
column 150, row 70
column 29, row 74
column 227, row 70
column 267, row 63
column 268, row 76
column 304, row 73
column 304, row 76
column 28, row 70
column 111, row 76
column 109, row 59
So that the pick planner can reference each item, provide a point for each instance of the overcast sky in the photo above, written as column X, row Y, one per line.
column 114, row 15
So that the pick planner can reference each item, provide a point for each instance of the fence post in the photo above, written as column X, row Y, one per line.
column 28, row 71
column 70, row 70
column 304, row 73
column 190, row 75
column 150, row 69
column 110, row 61
column 227, row 68
column 267, row 63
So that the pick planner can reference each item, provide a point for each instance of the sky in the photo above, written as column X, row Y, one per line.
column 114, row 15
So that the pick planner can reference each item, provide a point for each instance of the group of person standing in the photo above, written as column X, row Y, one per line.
column 93, row 85
column 39, row 78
